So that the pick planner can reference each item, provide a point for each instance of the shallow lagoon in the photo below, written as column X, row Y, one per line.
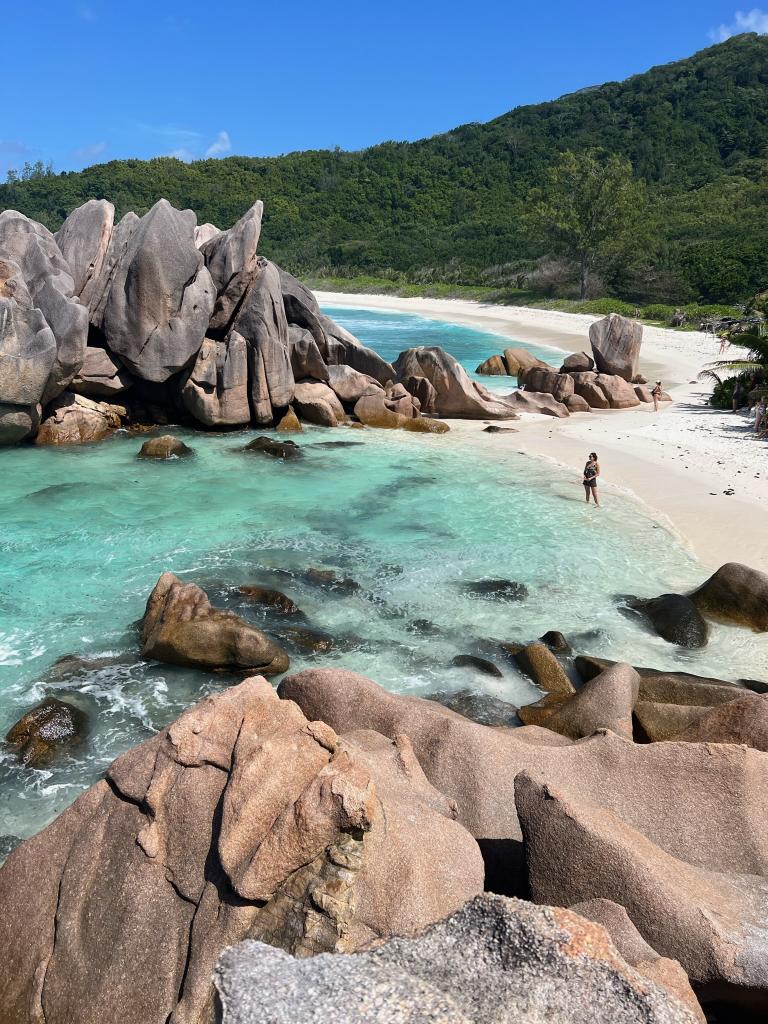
column 87, row 531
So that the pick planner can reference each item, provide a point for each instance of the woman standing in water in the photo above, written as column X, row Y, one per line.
column 591, row 473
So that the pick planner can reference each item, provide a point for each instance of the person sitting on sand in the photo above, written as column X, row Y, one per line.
column 656, row 394
column 591, row 473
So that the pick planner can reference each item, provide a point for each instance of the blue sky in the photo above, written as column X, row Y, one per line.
column 95, row 80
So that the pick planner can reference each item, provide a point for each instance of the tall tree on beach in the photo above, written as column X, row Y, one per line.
column 587, row 210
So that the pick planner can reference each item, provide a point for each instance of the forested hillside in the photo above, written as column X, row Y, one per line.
column 453, row 207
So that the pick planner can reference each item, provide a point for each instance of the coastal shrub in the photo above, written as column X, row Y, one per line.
column 602, row 307
column 658, row 312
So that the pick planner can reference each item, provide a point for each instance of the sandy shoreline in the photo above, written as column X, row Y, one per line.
column 677, row 462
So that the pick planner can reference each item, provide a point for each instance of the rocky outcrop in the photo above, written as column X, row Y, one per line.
column 735, row 594
column 240, row 819
column 681, row 688
column 377, row 411
column 744, row 720
column 517, row 359
column 586, row 387
column 317, row 403
column 616, row 344
column 182, row 628
column 49, row 285
column 619, row 394
column 703, row 804
column 575, row 403
column 423, row 391
column 307, row 361
column 494, row 366
column 73, row 419
column 101, row 375
column 350, row 385
column 538, row 404
column 160, row 297
column 204, row 233
column 232, row 261
column 712, row 921
column 455, row 393
column 577, row 362
column 495, row 960
column 216, row 390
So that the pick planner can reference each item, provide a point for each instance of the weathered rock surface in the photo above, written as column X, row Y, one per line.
column 606, row 702
column 182, row 628
column 116, row 252
column 455, row 393
column 744, row 720
column 101, row 376
column 160, row 296
column 547, row 382
column 376, row 410
column 343, row 347
column 306, row 359
column 216, row 391
column 537, row 403
column 240, row 819
column 275, row 449
column 706, row 804
column 666, row 973
column 45, row 731
column 668, row 687
column 735, row 594
column 494, row 366
column 84, row 239
column 475, row 662
column 616, row 344
column 577, row 362
column 165, row 447
column 351, row 385
column 232, row 261
column 586, row 387
column 575, row 403
column 675, row 618
column 317, row 403
column 289, row 423
column 712, row 921
column 655, row 721
column 425, row 425
column 49, row 283
column 423, row 391
column 618, row 392
column 496, row 961
column 204, row 233
column 18, row 422
column 270, row 598
column 539, row 662
column 518, row 359
column 73, row 419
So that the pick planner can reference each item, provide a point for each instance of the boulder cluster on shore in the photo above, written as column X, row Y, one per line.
column 608, row 379
column 334, row 851
column 155, row 318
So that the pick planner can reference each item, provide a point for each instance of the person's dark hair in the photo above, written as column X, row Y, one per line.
column 593, row 455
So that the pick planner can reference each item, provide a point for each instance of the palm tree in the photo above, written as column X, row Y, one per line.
column 750, row 334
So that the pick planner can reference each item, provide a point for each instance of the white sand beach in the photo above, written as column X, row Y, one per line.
column 679, row 462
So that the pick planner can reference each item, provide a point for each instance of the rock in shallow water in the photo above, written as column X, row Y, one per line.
column 180, row 627
column 735, row 594
column 275, row 449
column 45, row 731
column 165, row 447
column 675, row 618
column 496, row 961
column 497, row 590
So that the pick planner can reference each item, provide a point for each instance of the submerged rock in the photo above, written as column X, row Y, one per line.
column 275, row 449
column 497, row 590
column 477, row 707
column 270, row 599
column 242, row 818
column 165, row 447
column 289, row 423
column 539, row 662
column 480, row 664
column 496, row 961
column 42, row 733
column 425, row 425
column 182, row 628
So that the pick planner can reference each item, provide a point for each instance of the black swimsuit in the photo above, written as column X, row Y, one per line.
column 590, row 474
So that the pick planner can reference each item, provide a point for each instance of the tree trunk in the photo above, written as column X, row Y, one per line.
column 584, row 276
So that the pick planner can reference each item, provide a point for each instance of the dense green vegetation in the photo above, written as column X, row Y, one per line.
column 455, row 208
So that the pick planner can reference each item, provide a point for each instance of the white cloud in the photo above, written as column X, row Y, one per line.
column 89, row 152
column 182, row 153
column 755, row 20
column 168, row 131
column 221, row 145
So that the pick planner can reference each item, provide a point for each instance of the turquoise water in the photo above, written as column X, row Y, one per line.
column 87, row 531
column 390, row 333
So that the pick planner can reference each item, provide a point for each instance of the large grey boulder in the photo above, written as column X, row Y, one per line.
column 549, row 382
column 351, row 385
column 242, row 818
column 204, row 233
column 98, row 292
column 495, row 961
column 102, row 375
column 616, row 342
column 302, row 309
column 316, row 403
column 49, row 283
column 537, row 403
column 306, row 359
column 160, row 296
column 232, row 262
column 456, row 394
column 27, row 355
column 216, row 391
column 84, row 239
column 735, row 594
